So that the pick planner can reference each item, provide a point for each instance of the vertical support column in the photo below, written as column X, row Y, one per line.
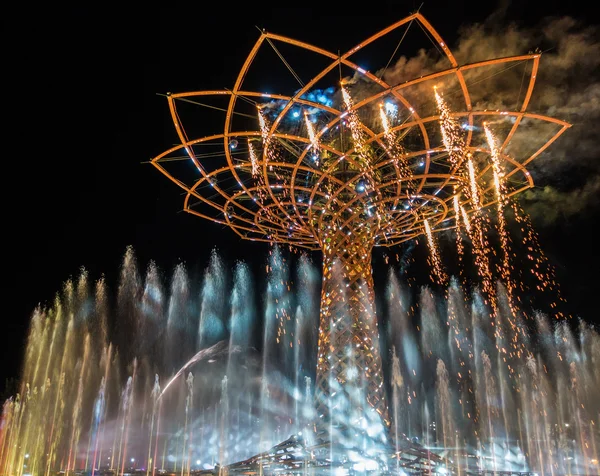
column 349, row 383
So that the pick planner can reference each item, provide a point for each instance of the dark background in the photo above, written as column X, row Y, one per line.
column 82, row 114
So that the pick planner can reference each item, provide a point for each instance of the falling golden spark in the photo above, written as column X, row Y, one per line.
column 482, row 261
column 505, row 267
column 253, row 159
column 356, row 129
column 264, row 128
column 385, row 122
column 540, row 267
column 269, row 152
column 452, row 136
column 478, row 235
column 394, row 148
column 455, row 145
column 314, row 140
column 473, row 183
column 436, row 262
column 466, row 219
column 457, row 215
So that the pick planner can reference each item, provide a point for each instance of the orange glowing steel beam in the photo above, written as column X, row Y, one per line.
column 280, row 203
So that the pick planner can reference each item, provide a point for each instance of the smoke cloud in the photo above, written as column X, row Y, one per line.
column 567, row 174
column 567, row 87
column 548, row 205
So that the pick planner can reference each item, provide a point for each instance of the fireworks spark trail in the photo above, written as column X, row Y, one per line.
column 452, row 135
column 261, row 195
column 474, row 189
column 358, row 135
column 393, row 147
column 454, row 143
column 314, row 140
column 482, row 250
column 540, row 267
column 253, row 159
column 506, row 267
column 388, row 134
column 478, row 236
column 385, row 122
column 466, row 219
column 264, row 129
column 268, row 151
column 435, row 261
column 366, row 164
column 459, row 243
column 270, row 154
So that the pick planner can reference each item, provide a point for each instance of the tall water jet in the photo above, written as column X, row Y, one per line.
column 307, row 305
column 186, row 446
column 106, row 360
column 276, row 338
column 445, row 427
column 242, row 324
column 211, row 327
column 129, row 317
column 77, row 410
column 125, row 421
column 179, row 321
column 550, row 398
column 398, row 405
column 243, row 307
column 403, row 337
column 433, row 334
column 224, row 421
column 151, row 458
column 402, row 332
column 152, row 307
column 95, row 425
column 489, row 407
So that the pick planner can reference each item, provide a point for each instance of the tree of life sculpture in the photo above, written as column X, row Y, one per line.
column 360, row 163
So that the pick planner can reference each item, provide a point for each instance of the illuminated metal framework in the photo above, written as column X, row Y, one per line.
column 296, row 458
column 343, row 175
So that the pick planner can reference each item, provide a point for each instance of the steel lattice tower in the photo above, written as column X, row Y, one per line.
column 332, row 173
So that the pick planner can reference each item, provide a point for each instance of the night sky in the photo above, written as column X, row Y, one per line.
column 82, row 115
